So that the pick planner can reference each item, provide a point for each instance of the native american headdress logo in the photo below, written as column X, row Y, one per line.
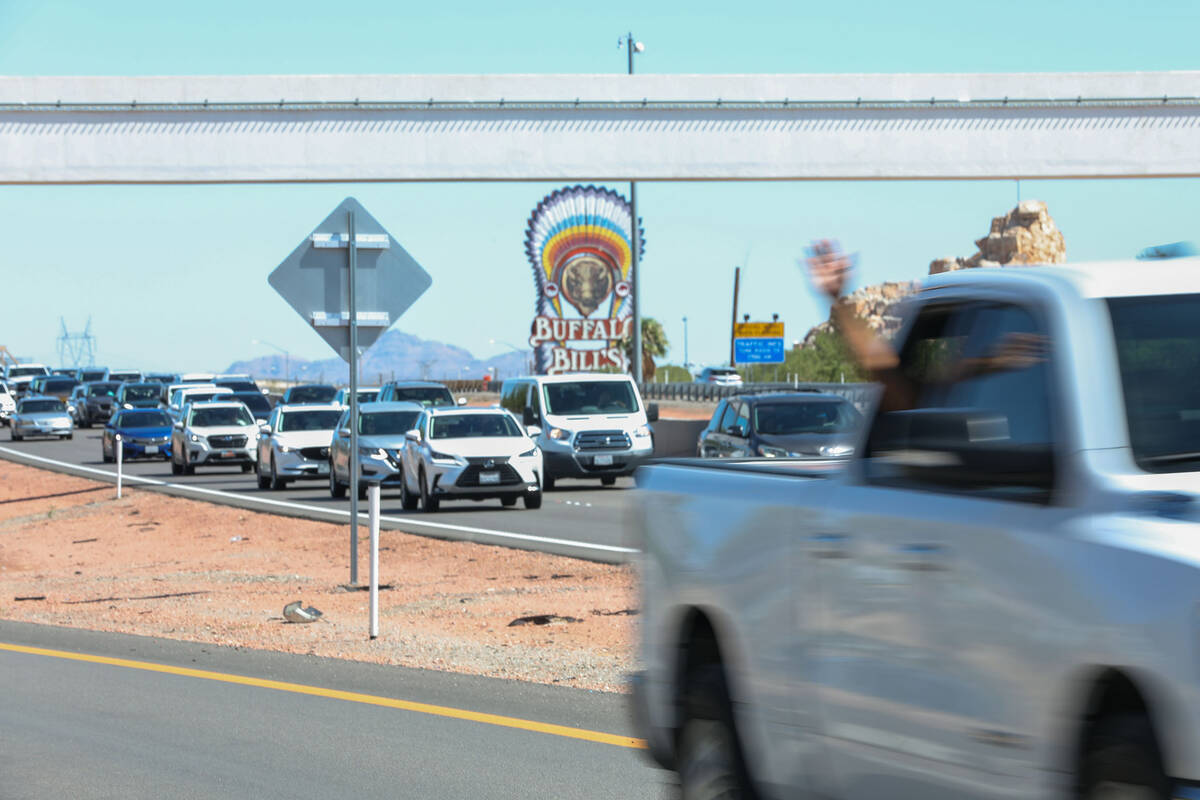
column 579, row 243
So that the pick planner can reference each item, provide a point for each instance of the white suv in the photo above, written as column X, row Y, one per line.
column 470, row 454
column 294, row 444
column 213, row 434
column 8, row 406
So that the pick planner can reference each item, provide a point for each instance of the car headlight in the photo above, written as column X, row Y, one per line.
column 126, row 405
column 436, row 456
column 283, row 448
column 558, row 433
column 372, row 452
column 772, row 452
column 641, row 431
column 836, row 450
column 193, row 437
column 529, row 453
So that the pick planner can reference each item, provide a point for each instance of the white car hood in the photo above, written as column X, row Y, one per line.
column 249, row 431
column 304, row 438
column 598, row 422
column 483, row 446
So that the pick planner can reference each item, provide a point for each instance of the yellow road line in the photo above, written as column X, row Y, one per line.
column 353, row 697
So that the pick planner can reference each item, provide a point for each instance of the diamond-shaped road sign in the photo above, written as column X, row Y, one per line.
column 313, row 279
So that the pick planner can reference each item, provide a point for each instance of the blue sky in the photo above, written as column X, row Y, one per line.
column 175, row 277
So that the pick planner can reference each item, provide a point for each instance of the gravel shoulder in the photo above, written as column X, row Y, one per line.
column 72, row 555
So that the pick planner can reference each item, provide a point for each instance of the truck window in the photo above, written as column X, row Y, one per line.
column 743, row 417
column 987, row 360
column 714, row 424
column 727, row 419
column 513, row 396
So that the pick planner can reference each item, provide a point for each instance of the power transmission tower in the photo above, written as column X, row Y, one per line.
column 76, row 349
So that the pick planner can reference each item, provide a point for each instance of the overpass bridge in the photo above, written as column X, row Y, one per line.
column 159, row 130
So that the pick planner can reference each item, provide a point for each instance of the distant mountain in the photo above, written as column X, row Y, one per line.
column 395, row 356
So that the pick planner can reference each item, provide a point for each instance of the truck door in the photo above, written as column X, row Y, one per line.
column 939, row 634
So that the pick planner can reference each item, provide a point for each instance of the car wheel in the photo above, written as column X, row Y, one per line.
column 429, row 503
column 336, row 489
column 1123, row 762
column 105, row 457
column 246, row 467
column 69, row 436
column 277, row 483
column 12, row 434
column 533, row 500
column 264, row 481
column 508, row 501
column 710, row 758
column 610, row 480
column 176, row 467
column 408, row 500
column 547, row 484
column 362, row 488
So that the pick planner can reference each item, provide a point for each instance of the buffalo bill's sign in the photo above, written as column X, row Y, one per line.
column 578, row 243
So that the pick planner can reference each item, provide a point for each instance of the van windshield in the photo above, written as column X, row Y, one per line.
column 590, row 397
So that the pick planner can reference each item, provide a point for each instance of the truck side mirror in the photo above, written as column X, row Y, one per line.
column 413, row 436
column 529, row 417
column 652, row 412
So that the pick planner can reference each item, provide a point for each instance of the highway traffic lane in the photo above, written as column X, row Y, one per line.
column 83, row 729
column 583, row 520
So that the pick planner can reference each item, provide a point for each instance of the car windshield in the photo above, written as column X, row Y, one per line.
column 58, row 385
column 590, row 397
column 386, row 423
column 473, row 426
column 252, row 400
column 311, row 394
column 23, row 372
column 88, row 375
column 124, row 376
column 142, row 419
column 1158, row 351
column 369, row 396
column 324, row 419
column 237, row 386
column 425, row 395
column 103, row 389
column 142, row 391
column 200, row 397
column 225, row 415
column 40, row 406
column 783, row 419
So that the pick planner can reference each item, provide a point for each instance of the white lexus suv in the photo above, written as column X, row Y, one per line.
column 213, row 433
column 470, row 454
column 294, row 444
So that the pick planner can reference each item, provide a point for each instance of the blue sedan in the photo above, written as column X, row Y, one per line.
column 145, row 433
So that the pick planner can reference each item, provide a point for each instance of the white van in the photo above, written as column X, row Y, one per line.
column 592, row 425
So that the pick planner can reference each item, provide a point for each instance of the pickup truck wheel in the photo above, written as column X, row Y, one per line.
column 710, row 758
column 1123, row 762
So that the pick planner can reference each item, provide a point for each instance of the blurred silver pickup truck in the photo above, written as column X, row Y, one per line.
column 997, row 597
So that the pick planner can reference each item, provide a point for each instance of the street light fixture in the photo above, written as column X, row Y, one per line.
column 287, row 359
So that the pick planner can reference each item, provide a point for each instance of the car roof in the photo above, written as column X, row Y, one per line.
column 398, row 405
column 40, row 397
column 1128, row 278
column 792, row 397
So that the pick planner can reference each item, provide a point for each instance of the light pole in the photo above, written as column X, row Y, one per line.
column 287, row 359
column 632, row 47
column 517, row 348
column 685, row 347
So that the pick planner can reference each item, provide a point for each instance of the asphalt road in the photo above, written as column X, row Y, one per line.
column 135, row 717
column 581, row 519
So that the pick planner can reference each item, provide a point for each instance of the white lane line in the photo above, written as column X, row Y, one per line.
column 524, row 537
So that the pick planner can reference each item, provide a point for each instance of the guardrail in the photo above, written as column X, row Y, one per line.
column 860, row 394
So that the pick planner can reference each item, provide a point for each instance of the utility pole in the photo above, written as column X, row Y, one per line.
column 632, row 47
column 685, row 346
column 737, row 275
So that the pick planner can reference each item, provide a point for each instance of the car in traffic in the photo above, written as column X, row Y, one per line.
column 720, row 376
column 294, row 444
column 99, row 401
column 590, row 425
column 8, row 404
column 257, row 402
column 366, row 394
column 90, row 374
column 309, row 394
column 40, row 416
column 124, row 375
column 162, row 378
column 191, row 393
column 237, row 383
column 144, row 432
column 59, row 386
column 18, row 376
column 196, row 377
column 381, row 439
column 139, row 395
column 212, row 433
column 427, row 393
column 781, row 425
column 470, row 454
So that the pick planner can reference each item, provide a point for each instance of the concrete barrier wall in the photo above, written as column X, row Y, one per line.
column 674, row 438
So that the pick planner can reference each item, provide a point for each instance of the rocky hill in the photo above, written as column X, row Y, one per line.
column 1025, row 235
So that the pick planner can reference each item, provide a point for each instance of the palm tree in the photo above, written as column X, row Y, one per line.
column 654, row 344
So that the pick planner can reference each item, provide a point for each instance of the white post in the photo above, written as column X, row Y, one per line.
column 373, row 511
column 120, row 448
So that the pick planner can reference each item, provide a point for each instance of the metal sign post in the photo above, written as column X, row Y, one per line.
column 373, row 513
column 354, row 311
column 120, row 460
